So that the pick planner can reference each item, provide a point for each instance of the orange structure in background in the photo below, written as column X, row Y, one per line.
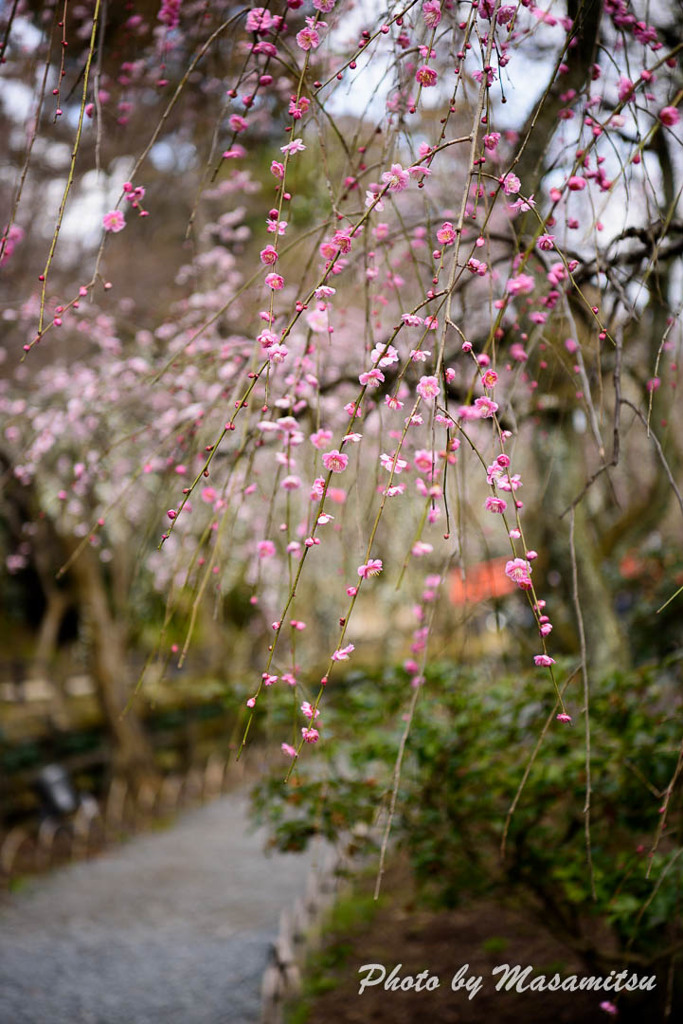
column 483, row 581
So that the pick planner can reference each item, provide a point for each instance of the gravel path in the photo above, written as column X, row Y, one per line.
column 170, row 928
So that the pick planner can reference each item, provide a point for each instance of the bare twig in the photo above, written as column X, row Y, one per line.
column 586, row 701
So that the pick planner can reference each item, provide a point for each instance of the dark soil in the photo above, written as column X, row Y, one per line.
column 475, row 939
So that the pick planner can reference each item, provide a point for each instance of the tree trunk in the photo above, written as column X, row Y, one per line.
column 541, row 123
column 57, row 604
column 133, row 754
column 607, row 647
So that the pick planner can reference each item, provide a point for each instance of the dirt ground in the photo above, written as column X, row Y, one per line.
column 470, row 942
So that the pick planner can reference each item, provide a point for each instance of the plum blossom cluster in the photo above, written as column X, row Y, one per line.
column 401, row 309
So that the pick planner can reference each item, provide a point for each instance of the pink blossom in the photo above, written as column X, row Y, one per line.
column 328, row 250
column 397, row 179
column 546, row 242
column 511, row 184
column 310, row 735
column 489, row 379
column 324, row 5
column 308, row 38
column 428, row 388
column 258, row 20
column 446, row 233
column 522, row 205
column 424, row 460
column 278, row 353
column 169, row 13
column 431, row 12
column 335, row 461
column 318, row 488
column 477, row 267
column 269, row 255
column 320, row 438
column 519, row 571
column 371, row 379
column 505, row 13
column 485, row 407
column 412, row 320
column 277, row 169
column 342, row 653
column 342, row 241
column 576, row 184
column 523, row 284
column 237, row 123
column 384, row 355
column 543, row 660
column 421, row 548
column 266, row 549
column 114, row 221
column 491, row 141
column 490, row 73
column 494, row 472
column 426, row 76
column 372, row 199
column 669, row 116
column 495, row 504
column 510, row 483
column 275, row 281
column 288, row 749
column 295, row 146
column 309, row 711
column 371, row 568
column 269, row 49
column 318, row 321
column 625, row 88
column 298, row 109
column 267, row 339
column 11, row 236
column 392, row 462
